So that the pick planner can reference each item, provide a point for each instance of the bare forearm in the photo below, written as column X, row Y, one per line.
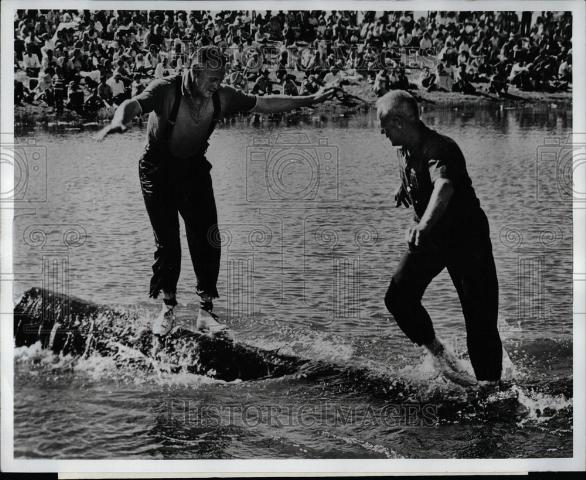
column 281, row 103
column 438, row 203
column 127, row 110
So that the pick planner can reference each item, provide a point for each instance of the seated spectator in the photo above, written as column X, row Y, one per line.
column 105, row 91
column 93, row 104
column 520, row 76
column 161, row 69
column 263, row 85
column 445, row 80
column 498, row 82
column 310, row 85
column 44, row 89
column 282, row 66
column 565, row 69
column 75, row 98
column 333, row 78
column 398, row 80
column 290, row 85
column 381, row 83
column 30, row 62
column 137, row 86
column 428, row 80
column 425, row 43
column 59, row 91
column 118, row 90
column 236, row 77
column 22, row 94
column 462, row 83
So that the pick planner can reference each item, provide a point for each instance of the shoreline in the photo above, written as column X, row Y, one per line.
column 32, row 116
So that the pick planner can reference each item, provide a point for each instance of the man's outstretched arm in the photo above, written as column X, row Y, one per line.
column 122, row 119
column 284, row 103
column 148, row 100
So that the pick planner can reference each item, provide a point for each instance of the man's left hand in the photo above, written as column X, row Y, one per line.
column 323, row 94
column 417, row 236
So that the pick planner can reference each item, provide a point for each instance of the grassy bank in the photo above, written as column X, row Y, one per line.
column 31, row 116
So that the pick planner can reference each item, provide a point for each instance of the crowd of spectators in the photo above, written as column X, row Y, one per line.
column 86, row 60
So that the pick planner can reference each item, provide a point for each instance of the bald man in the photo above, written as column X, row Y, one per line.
column 451, row 231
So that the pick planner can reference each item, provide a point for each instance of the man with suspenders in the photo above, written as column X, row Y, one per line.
column 175, row 174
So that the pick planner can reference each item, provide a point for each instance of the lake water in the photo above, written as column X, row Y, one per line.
column 310, row 239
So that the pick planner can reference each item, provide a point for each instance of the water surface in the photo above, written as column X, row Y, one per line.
column 310, row 238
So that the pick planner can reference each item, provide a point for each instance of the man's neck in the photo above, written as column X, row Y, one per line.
column 414, row 144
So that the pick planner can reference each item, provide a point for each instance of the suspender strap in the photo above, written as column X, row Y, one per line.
column 215, row 120
column 217, row 112
column 173, row 116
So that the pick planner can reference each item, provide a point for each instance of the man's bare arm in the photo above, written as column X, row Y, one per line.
column 438, row 203
column 284, row 103
column 122, row 119
column 443, row 189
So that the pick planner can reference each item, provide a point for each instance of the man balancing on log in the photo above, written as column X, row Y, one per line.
column 175, row 174
column 452, row 232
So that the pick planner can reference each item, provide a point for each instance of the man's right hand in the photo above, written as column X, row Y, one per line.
column 122, row 120
column 401, row 197
column 117, row 127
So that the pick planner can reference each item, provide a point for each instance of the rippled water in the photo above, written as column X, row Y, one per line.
column 311, row 237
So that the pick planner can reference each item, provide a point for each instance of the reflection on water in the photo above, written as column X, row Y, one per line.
column 310, row 239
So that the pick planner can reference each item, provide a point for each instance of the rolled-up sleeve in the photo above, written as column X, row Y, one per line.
column 438, row 168
column 151, row 98
column 234, row 101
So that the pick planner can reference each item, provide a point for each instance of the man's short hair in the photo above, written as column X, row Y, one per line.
column 400, row 103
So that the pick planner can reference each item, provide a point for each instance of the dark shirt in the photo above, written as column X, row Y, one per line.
column 439, row 157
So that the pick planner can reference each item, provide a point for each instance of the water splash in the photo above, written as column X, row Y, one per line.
column 541, row 407
column 127, row 366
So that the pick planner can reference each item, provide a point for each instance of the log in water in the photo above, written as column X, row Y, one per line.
column 69, row 325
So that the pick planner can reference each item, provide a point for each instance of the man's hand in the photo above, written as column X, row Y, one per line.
column 323, row 94
column 122, row 120
column 401, row 197
column 416, row 236
column 114, row 127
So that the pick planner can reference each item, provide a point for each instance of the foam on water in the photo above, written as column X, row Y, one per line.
column 306, row 343
column 127, row 366
column 541, row 407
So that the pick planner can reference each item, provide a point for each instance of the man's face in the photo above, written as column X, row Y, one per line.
column 392, row 127
column 208, row 80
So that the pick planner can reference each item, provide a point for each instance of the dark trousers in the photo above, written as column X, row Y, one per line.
column 472, row 269
column 172, row 186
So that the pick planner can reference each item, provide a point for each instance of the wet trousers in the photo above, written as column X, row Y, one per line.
column 472, row 270
column 172, row 186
